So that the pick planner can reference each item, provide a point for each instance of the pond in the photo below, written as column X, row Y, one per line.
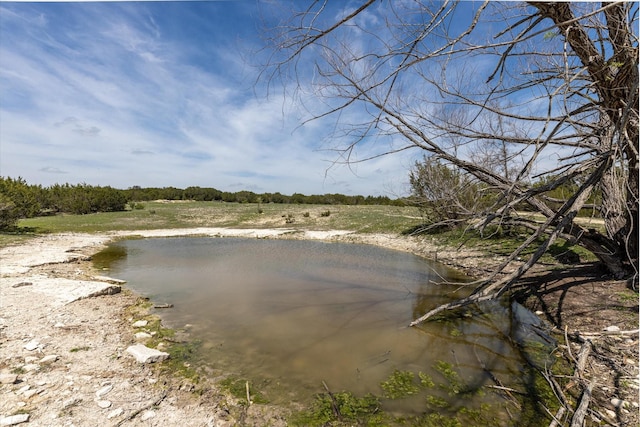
column 291, row 316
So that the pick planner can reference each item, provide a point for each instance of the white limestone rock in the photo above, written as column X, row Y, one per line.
column 23, row 389
column 619, row 403
column 144, row 354
column 64, row 291
column 141, row 336
column 14, row 419
column 49, row 359
column 103, row 391
column 31, row 367
column 140, row 324
column 70, row 402
column 147, row 415
column 115, row 413
column 8, row 378
column 111, row 280
column 31, row 345
column 104, row 404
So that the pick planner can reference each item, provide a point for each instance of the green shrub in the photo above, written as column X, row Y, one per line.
column 18, row 200
column 9, row 215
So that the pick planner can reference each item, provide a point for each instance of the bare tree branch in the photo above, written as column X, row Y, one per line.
column 555, row 80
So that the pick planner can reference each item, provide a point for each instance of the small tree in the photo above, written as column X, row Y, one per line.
column 9, row 215
column 446, row 196
column 18, row 200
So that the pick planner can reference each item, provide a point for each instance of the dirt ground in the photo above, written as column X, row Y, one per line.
column 588, row 307
column 65, row 330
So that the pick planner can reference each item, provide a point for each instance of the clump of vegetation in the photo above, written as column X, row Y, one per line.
column 325, row 213
column 446, row 403
column 453, row 383
column 306, row 214
column 342, row 409
column 181, row 355
column 399, row 385
column 238, row 388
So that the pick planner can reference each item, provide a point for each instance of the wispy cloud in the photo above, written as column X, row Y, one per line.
column 155, row 94
column 49, row 169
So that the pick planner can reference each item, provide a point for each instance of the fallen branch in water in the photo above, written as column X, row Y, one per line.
column 334, row 403
column 499, row 385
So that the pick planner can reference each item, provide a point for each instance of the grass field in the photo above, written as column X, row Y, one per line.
column 189, row 214
column 160, row 215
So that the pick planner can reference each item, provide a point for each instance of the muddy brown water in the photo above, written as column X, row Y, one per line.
column 288, row 315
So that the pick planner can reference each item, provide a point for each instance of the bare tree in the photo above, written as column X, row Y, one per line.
column 557, row 80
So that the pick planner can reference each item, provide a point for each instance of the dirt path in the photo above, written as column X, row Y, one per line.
column 64, row 334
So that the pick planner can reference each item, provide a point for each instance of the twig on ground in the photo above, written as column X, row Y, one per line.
column 557, row 390
column 556, row 418
column 603, row 333
column 135, row 413
column 583, row 356
column 581, row 411
column 566, row 340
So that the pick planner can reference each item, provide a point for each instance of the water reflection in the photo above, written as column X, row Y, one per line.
column 296, row 313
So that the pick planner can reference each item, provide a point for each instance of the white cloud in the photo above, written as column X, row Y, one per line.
column 109, row 99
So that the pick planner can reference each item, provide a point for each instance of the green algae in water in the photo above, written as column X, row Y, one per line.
column 238, row 388
column 342, row 409
column 400, row 384
column 346, row 409
column 104, row 259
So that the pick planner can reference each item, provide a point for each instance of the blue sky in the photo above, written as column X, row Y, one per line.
column 161, row 94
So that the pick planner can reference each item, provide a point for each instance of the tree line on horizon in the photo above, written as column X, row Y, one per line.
column 18, row 199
